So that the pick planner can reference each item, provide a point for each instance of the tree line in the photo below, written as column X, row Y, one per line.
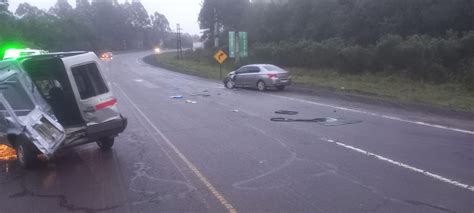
column 427, row 40
column 97, row 27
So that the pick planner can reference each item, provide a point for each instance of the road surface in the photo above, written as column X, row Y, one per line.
column 223, row 154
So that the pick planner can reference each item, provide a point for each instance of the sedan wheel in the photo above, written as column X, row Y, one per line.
column 229, row 83
column 261, row 86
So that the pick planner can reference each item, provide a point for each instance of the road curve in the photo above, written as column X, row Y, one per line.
column 223, row 154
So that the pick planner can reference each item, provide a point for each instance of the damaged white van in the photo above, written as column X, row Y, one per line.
column 55, row 101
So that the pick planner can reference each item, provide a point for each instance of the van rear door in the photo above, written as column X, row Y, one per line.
column 93, row 96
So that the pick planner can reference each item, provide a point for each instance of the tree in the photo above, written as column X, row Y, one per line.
column 160, row 27
column 61, row 9
column 138, row 20
column 228, row 14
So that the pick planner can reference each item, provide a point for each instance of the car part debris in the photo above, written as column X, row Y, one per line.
column 235, row 110
column 201, row 95
column 322, row 121
column 298, row 120
column 177, row 97
column 286, row 112
column 191, row 102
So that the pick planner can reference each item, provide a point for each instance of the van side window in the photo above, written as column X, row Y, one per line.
column 89, row 81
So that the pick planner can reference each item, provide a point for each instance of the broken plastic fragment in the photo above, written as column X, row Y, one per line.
column 177, row 97
column 191, row 102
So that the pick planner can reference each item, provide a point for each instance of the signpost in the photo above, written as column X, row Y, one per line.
column 232, row 44
column 243, row 44
column 220, row 57
column 238, row 45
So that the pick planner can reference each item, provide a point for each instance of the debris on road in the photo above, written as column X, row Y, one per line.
column 191, row 102
column 235, row 110
column 177, row 97
column 322, row 121
column 201, row 95
column 286, row 112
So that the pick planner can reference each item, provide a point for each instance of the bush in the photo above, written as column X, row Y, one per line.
column 419, row 57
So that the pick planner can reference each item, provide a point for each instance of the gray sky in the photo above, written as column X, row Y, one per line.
column 184, row 12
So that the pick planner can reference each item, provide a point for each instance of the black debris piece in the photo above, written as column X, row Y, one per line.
column 286, row 112
column 322, row 121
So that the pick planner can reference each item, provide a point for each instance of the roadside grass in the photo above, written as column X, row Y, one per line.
column 378, row 85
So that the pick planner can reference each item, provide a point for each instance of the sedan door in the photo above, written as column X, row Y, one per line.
column 253, row 76
column 240, row 75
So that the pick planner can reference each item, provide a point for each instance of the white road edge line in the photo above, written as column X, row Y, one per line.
column 188, row 163
column 377, row 115
column 405, row 166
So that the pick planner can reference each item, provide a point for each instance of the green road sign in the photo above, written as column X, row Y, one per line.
column 243, row 44
column 231, row 44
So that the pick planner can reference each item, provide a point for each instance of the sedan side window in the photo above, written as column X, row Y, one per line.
column 242, row 70
column 254, row 69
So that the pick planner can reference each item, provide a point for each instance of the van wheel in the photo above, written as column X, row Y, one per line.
column 106, row 144
column 26, row 153
column 261, row 86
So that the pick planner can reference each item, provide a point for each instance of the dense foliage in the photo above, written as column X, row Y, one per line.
column 429, row 40
column 98, row 27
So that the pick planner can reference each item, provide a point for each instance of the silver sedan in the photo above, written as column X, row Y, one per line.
column 261, row 76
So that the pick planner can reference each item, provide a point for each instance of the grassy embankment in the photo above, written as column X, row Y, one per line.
column 378, row 85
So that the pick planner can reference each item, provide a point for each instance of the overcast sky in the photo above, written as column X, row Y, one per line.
column 184, row 12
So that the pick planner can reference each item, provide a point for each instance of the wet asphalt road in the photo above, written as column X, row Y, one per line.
column 223, row 154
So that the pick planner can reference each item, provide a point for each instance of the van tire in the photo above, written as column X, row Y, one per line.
column 106, row 144
column 26, row 153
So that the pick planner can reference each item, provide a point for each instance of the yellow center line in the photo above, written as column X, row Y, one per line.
column 188, row 163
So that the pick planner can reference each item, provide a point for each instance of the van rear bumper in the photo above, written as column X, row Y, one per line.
column 108, row 129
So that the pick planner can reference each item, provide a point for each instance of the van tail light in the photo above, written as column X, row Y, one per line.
column 106, row 104
column 272, row 75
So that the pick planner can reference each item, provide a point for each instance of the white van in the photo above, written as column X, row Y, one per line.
column 54, row 101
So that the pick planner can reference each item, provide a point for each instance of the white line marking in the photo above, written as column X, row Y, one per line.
column 188, row 163
column 378, row 115
column 426, row 173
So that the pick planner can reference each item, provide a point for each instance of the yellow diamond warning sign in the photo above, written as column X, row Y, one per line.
column 220, row 56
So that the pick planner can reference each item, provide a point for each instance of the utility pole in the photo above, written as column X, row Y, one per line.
column 179, row 44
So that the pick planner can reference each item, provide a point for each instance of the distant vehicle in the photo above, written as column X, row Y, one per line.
column 17, row 53
column 157, row 50
column 54, row 101
column 260, row 76
column 106, row 56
